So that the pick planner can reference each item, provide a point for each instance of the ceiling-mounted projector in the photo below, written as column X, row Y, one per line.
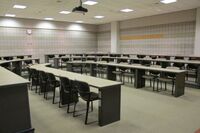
column 80, row 9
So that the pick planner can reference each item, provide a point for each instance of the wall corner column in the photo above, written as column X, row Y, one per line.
column 115, row 37
column 197, row 34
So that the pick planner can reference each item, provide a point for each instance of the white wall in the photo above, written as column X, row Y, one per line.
column 181, row 26
column 47, row 37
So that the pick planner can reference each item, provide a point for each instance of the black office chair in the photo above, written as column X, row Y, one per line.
column 52, row 84
column 68, row 93
column 101, row 70
column 34, row 76
column 64, row 61
column 86, row 68
column 77, row 68
column 168, row 78
column 84, row 92
column 20, row 57
column 50, row 58
column 61, row 55
column 8, row 58
column 141, row 56
column 43, row 82
column 152, row 76
column 192, row 71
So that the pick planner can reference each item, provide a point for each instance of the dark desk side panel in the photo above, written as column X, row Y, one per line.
column 14, row 109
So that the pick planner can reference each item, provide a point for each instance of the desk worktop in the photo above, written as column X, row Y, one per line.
column 9, row 78
column 15, row 60
column 92, row 81
column 134, row 66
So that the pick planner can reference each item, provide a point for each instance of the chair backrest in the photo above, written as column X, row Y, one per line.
column 51, row 56
column 153, row 57
column 61, row 55
column 20, row 57
column 35, row 73
column 83, row 89
column 43, row 76
column 65, row 84
column 50, row 77
column 178, row 65
column 155, row 72
column 179, row 58
column 28, row 62
column 141, row 56
column 8, row 58
column 65, row 59
column 172, row 75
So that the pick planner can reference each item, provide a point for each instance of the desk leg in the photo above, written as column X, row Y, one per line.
column 109, row 105
column 56, row 62
column 179, row 84
column 198, row 76
column 110, row 74
column 139, row 81
column 92, row 70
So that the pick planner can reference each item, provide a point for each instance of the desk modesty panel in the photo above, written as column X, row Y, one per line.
column 14, row 111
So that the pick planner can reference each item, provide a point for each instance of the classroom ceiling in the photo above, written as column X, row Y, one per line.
column 40, row 9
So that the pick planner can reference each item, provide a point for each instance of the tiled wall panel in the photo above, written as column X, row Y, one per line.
column 15, row 41
column 104, row 41
column 176, row 39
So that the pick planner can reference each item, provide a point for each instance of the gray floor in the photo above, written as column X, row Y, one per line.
column 142, row 111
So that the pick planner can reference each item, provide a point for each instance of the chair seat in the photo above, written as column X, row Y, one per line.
column 94, row 96
column 117, row 72
column 148, row 76
column 166, row 79
column 129, row 74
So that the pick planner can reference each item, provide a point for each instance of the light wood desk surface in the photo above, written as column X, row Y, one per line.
column 92, row 81
column 132, row 66
column 9, row 78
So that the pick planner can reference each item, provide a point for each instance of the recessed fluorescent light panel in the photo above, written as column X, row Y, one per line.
column 49, row 18
column 90, row 2
column 99, row 17
column 79, row 21
column 65, row 12
column 10, row 15
column 19, row 6
column 168, row 1
column 126, row 10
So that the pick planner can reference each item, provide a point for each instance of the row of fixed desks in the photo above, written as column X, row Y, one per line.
column 109, row 92
column 163, row 62
column 16, row 65
column 14, row 103
column 15, row 56
column 139, row 71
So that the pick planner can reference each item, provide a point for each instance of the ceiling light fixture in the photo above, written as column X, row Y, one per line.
column 90, row 2
column 168, row 1
column 65, row 12
column 19, row 6
column 49, row 18
column 10, row 15
column 80, row 9
column 98, row 17
column 126, row 10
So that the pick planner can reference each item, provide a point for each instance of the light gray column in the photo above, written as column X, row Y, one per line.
column 115, row 37
column 197, row 34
